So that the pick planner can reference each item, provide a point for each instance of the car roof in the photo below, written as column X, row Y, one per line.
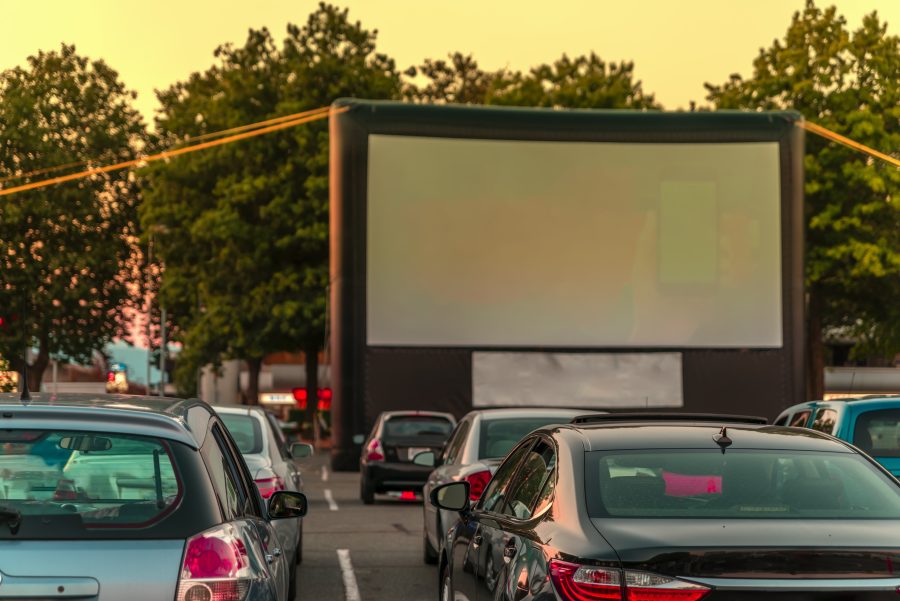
column 238, row 409
column 661, row 435
column 526, row 412
column 413, row 413
column 182, row 420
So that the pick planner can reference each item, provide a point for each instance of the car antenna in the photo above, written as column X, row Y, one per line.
column 722, row 439
column 25, row 396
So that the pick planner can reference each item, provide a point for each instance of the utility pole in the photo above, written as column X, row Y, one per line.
column 149, row 307
column 163, row 351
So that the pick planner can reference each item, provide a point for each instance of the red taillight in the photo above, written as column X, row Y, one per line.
column 110, row 376
column 267, row 486
column 477, row 483
column 375, row 452
column 576, row 582
column 585, row 583
column 407, row 495
column 216, row 567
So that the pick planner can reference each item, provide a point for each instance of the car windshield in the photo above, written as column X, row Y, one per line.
column 499, row 436
column 738, row 484
column 405, row 426
column 245, row 431
column 103, row 480
column 878, row 432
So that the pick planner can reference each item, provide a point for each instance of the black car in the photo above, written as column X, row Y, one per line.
column 387, row 455
column 637, row 510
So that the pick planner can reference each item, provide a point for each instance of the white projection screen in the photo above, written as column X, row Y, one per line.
column 501, row 243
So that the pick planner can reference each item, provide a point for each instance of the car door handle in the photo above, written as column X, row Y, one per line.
column 477, row 540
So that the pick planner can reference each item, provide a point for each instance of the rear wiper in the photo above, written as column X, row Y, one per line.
column 12, row 517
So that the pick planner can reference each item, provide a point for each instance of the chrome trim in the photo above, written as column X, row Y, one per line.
column 808, row 584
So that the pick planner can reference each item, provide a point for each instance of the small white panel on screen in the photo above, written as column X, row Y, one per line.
column 499, row 243
column 614, row 380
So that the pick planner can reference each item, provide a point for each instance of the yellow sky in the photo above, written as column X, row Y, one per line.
column 676, row 45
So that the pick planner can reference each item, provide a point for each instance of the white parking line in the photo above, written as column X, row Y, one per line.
column 351, row 589
column 330, row 500
column 324, row 474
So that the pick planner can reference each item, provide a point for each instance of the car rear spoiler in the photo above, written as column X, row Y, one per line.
column 602, row 418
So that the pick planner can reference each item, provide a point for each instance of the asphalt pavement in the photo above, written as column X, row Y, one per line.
column 357, row 552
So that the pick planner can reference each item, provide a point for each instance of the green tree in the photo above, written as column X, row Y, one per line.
column 244, row 226
column 580, row 82
column 847, row 82
column 67, row 253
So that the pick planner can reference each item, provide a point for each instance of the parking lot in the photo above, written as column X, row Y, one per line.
column 381, row 544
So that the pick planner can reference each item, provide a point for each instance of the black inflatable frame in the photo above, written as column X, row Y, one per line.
column 367, row 380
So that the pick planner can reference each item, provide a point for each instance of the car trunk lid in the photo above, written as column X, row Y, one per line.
column 755, row 548
column 100, row 570
column 402, row 449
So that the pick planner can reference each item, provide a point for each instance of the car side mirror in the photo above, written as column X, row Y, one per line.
column 302, row 450
column 453, row 496
column 425, row 459
column 287, row 504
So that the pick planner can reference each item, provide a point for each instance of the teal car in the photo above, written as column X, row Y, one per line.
column 871, row 423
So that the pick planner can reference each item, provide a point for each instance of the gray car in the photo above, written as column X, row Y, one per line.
column 114, row 497
column 474, row 450
column 271, row 463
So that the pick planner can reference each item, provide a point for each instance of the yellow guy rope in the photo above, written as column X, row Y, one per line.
column 258, row 129
column 836, row 137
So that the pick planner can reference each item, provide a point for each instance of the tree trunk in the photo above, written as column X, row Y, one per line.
column 312, row 385
column 253, row 366
column 815, row 348
column 37, row 368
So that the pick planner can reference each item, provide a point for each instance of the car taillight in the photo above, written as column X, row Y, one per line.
column 576, row 582
column 216, row 567
column 376, row 452
column 477, row 483
column 268, row 486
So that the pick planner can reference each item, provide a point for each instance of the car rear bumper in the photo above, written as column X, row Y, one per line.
column 385, row 477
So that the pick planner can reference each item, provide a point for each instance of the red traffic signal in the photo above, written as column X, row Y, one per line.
column 324, row 394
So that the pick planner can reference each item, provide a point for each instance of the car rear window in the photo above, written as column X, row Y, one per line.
column 878, row 432
column 738, row 484
column 102, row 480
column 408, row 426
column 499, row 436
column 245, row 431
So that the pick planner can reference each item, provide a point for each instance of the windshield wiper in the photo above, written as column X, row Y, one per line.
column 12, row 517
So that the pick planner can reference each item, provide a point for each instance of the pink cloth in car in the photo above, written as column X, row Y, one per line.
column 682, row 485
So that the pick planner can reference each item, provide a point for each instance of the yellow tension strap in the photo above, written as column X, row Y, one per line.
column 260, row 128
column 235, row 134
column 836, row 137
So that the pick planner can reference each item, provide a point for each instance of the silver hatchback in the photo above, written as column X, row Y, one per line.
column 117, row 497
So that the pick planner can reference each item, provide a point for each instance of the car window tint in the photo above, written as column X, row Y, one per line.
column 878, row 432
column 825, row 420
column 781, row 421
column 799, row 419
column 245, row 431
column 456, row 443
column 537, row 468
column 278, row 433
column 493, row 497
column 408, row 426
column 499, row 436
column 113, row 480
column 224, row 479
column 760, row 484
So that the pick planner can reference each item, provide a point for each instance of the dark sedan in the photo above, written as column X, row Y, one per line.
column 637, row 510
column 386, row 464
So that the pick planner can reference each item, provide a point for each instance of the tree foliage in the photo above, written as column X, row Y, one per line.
column 67, row 253
column 243, row 228
column 580, row 82
column 849, row 83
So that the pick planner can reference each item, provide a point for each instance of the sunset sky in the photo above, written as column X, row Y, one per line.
column 676, row 46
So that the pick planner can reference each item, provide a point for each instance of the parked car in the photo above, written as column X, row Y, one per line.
column 627, row 508
column 476, row 447
column 270, row 461
column 872, row 423
column 386, row 464
column 109, row 497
